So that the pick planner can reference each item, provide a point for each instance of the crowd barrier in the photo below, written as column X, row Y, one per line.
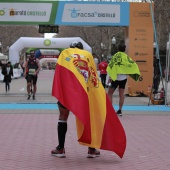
column 16, row 73
column 1, row 75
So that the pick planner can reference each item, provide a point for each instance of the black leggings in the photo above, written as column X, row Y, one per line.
column 7, row 86
column 103, row 79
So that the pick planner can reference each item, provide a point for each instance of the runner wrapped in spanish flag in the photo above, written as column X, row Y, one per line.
column 77, row 88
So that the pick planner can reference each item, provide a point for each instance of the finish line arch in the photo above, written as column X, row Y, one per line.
column 27, row 42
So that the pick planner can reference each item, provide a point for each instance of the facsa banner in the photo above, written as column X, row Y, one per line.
column 93, row 13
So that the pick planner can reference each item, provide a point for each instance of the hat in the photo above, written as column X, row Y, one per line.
column 73, row 44
column 76, row 44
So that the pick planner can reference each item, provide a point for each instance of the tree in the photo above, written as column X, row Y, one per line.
column 10, row 34
column 94, row 36
column 162, row 21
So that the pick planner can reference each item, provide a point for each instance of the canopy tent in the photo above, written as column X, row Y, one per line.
column 3, row 57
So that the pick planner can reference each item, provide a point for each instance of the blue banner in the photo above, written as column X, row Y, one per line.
column 93, row 13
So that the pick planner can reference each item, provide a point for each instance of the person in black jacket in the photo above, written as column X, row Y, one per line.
column 7, row 71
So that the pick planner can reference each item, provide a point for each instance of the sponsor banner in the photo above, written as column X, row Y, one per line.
column 139, row 37
column 93, row 13
column 49, row 52
column 140, row 15
column 49, row 56
column 27, row 12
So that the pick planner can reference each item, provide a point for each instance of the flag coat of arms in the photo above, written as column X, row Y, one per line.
column 76, row 85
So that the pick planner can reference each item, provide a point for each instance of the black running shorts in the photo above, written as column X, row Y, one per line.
column 120, row 83
column 31, row 78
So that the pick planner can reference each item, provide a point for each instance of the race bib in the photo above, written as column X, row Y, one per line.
column 31, row 71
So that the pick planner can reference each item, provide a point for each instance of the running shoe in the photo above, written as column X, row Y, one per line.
column 92, row 153
column 28, row 97
column 119, row 112
column 58, row 152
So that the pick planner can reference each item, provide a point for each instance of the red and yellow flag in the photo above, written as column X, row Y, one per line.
column 76, row 85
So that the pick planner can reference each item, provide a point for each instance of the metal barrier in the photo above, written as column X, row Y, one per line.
column 17, row 73
column 167, row 74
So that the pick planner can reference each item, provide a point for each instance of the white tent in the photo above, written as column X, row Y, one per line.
column 27, row 42
column 3, row 57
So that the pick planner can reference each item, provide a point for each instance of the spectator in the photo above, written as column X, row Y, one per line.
column 96, row 60
column 7, row 71
column 103, row 73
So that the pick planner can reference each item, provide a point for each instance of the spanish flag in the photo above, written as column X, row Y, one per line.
column 76, row 85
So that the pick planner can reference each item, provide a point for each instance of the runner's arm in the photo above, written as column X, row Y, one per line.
column 39, row 67
column 26, row 65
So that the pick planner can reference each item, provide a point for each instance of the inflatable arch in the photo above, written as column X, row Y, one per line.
column 54, row 60
column 43, row 53
column 27, row 42
column 47, row 52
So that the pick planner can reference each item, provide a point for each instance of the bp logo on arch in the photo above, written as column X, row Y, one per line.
column 2, row 12
column 47, row 42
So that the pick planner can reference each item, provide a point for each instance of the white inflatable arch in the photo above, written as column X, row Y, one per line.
column 27, row 42
column 48, row 59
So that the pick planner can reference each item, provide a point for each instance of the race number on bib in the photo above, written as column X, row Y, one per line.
column 31, row 71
